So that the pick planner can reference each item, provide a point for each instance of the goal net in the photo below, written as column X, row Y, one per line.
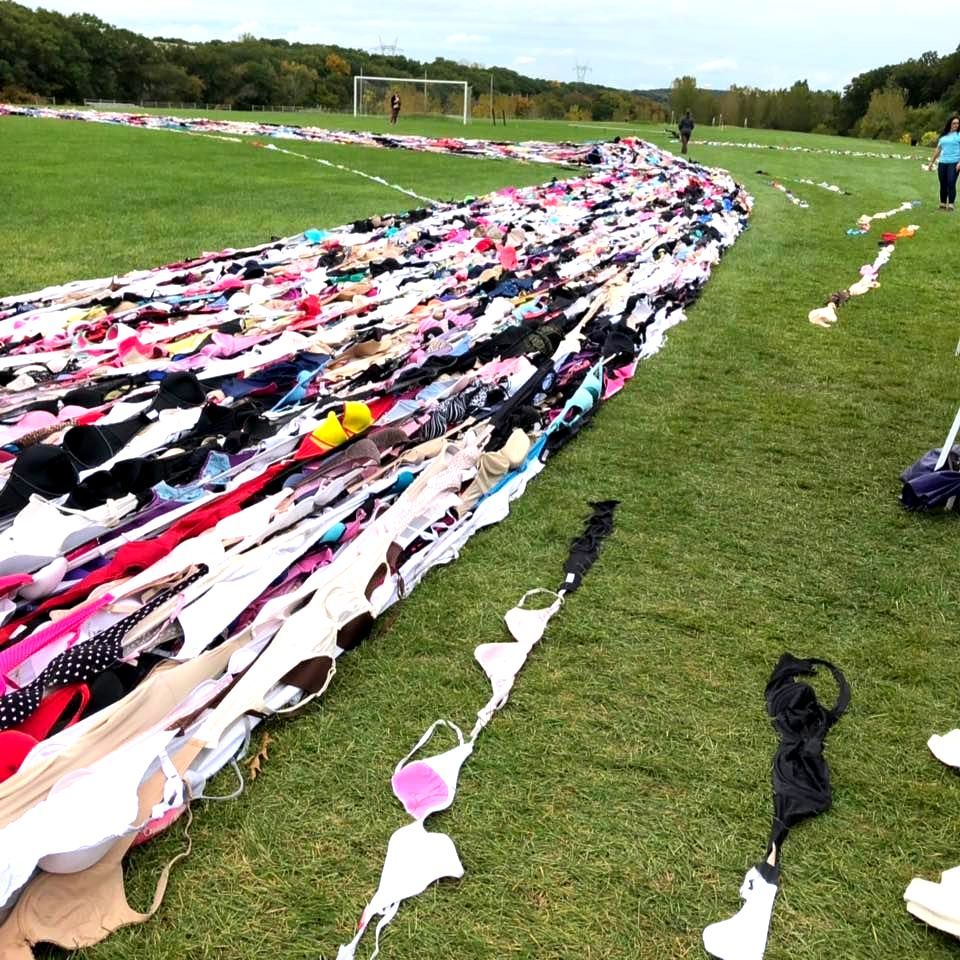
column 438, row 98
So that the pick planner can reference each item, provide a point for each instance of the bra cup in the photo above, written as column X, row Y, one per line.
column 330, row 431
column 582, row 399
column 946, row 748
column 428, row 786
column 344, row 602
column 415, row 859
column 501, row 662
column 55, row 913
column 356, row 417
column 528, row 626
column 108, row 796
column 45, row 580
column 81, row 909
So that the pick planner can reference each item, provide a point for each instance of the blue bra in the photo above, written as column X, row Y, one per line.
column 582, row 400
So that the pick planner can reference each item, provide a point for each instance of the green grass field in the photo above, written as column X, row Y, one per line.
column 611, row 810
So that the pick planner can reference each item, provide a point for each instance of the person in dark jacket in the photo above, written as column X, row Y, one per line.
column 686, row 129
column 394, row 107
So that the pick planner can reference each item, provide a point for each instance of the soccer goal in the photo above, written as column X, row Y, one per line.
column 448, row 98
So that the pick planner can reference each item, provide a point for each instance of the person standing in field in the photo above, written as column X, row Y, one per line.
column 948, row 155
column 686, row 126
column 394, row 107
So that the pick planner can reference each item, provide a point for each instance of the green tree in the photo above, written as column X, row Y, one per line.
column 607, row 104
column 857, row 94
column 168, row 81
column 886, row 116
column 798, row 107
column 683, row 96
column 296, row 83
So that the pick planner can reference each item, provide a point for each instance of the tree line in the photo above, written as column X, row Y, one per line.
column 78, row 57
column 797, row 108
column 906, row 101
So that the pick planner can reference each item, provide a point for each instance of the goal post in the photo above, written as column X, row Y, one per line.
column 371, row 96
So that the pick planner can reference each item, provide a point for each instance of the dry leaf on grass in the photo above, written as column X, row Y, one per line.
column 262, row 754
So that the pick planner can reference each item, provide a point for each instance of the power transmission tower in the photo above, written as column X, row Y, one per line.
column 388, row 49
column 581, row 70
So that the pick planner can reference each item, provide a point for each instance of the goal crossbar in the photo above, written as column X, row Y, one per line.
column 359, row 79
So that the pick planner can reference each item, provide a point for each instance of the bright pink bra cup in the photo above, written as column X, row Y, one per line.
column 15, row 654
column 428, row 786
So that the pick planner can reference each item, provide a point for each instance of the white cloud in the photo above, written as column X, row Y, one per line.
column 462, row 38
column 739, row 41
column 712, row 66
column 524, row 61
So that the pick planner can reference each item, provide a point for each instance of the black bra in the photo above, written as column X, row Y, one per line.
column 801, row 780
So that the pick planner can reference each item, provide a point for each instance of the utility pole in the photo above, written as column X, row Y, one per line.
column 581, row 70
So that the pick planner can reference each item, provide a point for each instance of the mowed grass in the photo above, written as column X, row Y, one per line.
column 611, row 809
column 81, row 199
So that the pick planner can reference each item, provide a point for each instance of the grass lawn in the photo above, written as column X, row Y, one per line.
column 611, row 810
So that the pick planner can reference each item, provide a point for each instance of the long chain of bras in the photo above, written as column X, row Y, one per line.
column 508, row 318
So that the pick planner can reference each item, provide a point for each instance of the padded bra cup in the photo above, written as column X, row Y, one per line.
column 92, row 445
column 40, row 469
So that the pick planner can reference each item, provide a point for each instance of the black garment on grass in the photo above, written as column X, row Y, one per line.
column 586, row 548
column 801, row 780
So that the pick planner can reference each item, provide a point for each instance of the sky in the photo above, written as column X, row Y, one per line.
column 631, row 44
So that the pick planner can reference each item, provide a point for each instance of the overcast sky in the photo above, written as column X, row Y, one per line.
column 634, row 44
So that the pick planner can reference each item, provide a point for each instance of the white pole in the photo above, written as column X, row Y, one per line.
column 424, row 91
column 948, row 443
column 355, row 81
column 466, row 97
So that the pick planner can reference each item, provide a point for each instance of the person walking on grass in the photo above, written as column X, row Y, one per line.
column 686, row 126
column 948, row 167
column 394, row 107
